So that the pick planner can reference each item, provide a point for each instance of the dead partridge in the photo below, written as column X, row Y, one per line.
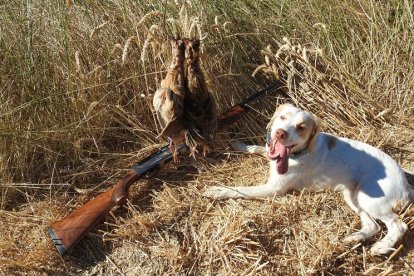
column 199, row 104
column 168, row 100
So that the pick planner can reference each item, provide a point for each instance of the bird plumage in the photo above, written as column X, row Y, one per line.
column 199, row 104
column 184, row 106
column 168, row 100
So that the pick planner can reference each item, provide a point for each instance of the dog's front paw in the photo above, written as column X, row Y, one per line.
column 381, row 248
column 355, row 238
column 216, row 192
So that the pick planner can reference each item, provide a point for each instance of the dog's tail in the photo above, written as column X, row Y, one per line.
column 410, row 180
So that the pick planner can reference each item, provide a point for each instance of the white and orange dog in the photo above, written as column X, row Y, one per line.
column 301, row 157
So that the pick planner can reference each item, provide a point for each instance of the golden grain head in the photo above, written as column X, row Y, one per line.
column 284, row 48
column 117, row 47
column 153, row 31
column 127, row 45
column 305, row 55
column 267, row 60
column 226, row 26
column 194, row 28
column 78, row 63
column 320, row 25
column 144, row 50
column 153, row 39
column 97, row 29
column 183, row 16
column 149, row 16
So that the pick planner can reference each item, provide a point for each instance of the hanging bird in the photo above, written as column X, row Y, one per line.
column 199, row 104
column 168, row 100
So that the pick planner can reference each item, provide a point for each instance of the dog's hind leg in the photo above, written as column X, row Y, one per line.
column 380, row 207
column 369, row 229
column 369, row 226
column 396, row 229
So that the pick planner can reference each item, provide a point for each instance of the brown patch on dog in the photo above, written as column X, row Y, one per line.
column 314, row 133
column 302, row 129
column 331, row 142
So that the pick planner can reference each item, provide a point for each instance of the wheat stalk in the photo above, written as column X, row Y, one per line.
column 125, row 49
column 97, row 29
column 152, row 38
column 149, row 16
column 314, row 83
column 78, row 65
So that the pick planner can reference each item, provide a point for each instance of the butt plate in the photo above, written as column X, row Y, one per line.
column 58, row 242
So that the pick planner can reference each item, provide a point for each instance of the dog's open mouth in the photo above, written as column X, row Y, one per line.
column 280, row 153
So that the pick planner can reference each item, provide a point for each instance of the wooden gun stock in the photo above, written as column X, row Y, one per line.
column 70, row 230
column 67, row 232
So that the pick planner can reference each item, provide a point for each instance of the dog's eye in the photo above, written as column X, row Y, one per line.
column 282, row 118
column 301, row 127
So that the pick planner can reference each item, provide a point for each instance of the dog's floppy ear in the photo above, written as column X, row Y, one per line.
column 278, row 110
column 314, row 133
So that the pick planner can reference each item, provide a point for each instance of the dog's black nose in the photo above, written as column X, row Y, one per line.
column 281, row 134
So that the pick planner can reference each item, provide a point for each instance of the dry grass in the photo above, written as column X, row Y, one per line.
column 318, row 84
column 76, row 82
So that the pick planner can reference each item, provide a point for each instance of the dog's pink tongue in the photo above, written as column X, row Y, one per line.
column 282, row 164
column 281, row 154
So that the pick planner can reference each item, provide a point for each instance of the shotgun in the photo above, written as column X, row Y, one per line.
column 70, row 230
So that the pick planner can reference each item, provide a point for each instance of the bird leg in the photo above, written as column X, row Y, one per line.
column 206, row 150
column 173, row 149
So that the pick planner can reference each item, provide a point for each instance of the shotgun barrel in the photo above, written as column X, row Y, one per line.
column 70, row 230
